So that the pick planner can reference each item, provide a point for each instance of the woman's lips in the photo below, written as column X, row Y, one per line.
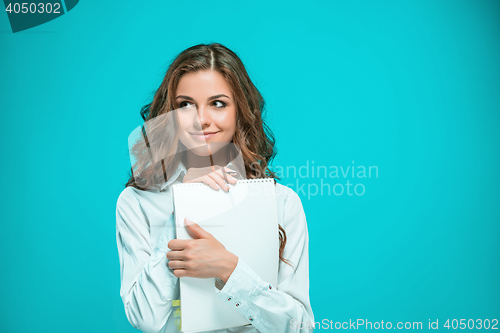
column 203, row 137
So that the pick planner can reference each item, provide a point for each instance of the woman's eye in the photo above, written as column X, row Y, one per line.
column 219, row 104
column 184, row 104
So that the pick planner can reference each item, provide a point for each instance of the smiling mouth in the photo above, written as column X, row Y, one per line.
column 203, row 136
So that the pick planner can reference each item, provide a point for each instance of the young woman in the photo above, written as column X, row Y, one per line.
column 211, row 80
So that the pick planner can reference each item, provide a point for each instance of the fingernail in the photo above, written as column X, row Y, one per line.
column 188, row 221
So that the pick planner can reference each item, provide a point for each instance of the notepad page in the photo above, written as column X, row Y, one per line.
column 245, row 221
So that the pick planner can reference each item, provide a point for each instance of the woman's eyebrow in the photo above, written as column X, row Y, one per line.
column 210, row 98
column 218, row 96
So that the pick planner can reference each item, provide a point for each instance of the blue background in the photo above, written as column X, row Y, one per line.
column 411, row 87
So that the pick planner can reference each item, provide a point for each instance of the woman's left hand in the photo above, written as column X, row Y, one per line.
column 201, row 257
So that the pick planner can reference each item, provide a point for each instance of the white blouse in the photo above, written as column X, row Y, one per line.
column 149, row 290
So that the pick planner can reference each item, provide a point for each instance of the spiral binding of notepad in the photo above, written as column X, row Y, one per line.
column 241, row 181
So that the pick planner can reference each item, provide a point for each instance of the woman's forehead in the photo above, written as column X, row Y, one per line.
column 205, row 83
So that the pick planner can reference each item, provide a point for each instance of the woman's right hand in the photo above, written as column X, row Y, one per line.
column 215, row 179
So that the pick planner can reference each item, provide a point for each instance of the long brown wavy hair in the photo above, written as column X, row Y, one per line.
column 253, row 137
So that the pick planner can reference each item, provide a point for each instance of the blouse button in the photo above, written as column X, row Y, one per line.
column 250, row 318
column 229, row 298
column 237, row 304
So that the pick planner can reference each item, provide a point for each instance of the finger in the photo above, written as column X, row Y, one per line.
column 180, row 272
column 174, row 260
column 178, row 244
column 175, row 255
column 218, row 179
column 227, row 176
column 229, row 170
column 210, row 182
column 195, row 231
column 176, row 264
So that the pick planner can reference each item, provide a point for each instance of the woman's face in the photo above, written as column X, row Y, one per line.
column 207, row 111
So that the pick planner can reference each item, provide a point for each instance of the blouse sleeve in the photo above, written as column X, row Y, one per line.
column 285, row 308
column 147, row 284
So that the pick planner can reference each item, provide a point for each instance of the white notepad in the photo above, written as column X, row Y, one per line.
column 245, row 221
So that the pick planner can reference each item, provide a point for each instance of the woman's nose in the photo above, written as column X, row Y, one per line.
column 204, row 116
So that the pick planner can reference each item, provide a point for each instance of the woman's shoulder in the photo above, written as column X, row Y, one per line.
column 290, row 210
column 131, row 196
column 286, row 195
column 128, row 198
column 127, row 193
